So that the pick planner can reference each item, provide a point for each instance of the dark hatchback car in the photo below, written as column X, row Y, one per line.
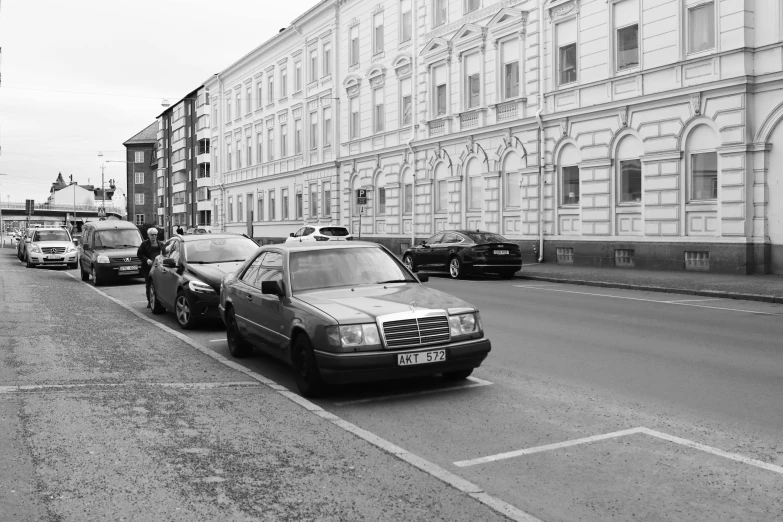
column 463, row 252
column 108, row 251
column 186, row 275
column 347, row 312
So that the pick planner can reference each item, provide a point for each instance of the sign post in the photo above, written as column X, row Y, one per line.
column 361, row 200
column 101, row 212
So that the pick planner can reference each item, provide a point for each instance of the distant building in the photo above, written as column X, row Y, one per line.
column 142, row 162
column 71, row 193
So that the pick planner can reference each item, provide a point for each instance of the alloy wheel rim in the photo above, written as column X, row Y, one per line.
column 152, row 296
column 454, row 267
column 408, row 263
column 183, row 310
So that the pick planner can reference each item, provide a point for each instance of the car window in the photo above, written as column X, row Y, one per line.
column 219, row 250
column 308, row 231
column 128, row 238
column 334, row 231
column 250, row 275
column 51, row 235
column 271, row 268
column 451, row 238
column 298, row 232
column 435, row 239
column 171, row 250
column 486, row 237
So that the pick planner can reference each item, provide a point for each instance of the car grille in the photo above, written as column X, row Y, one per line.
column 123, row 260
column 416, row 331
column 53, row 250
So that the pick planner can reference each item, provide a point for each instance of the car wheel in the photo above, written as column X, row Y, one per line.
column 184, row 311
column 458, row 375
column 96, row 280
column 408, row 262
column 237, row 345
column 72, row 266
column 28, row 264
column 308, row 377
column 456, row 270
column 85, row 275
column 155, row 305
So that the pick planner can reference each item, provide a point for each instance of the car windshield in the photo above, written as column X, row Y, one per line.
column 219, row 250
column 118, row 238
column 334, row 231
column 486, row 237
column 51, row 235
column 329, row 268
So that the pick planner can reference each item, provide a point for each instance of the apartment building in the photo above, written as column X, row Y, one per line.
column 183, row 181
column 274, row 133
column 141, row 159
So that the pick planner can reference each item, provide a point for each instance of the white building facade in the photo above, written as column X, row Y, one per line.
column 658, row 122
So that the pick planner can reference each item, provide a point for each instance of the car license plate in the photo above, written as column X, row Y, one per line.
column 501, row 252
column 407, row 359
column 56, row 258
column 129, row 269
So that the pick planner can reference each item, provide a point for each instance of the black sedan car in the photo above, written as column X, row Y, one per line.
column 342, row 312
column 463, row 252
column 186, row 276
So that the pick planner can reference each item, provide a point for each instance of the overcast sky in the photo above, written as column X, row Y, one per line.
column 84, row 76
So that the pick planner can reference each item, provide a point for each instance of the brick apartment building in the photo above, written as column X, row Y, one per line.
column 142, row 162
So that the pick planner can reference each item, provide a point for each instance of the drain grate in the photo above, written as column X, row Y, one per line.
column 565, row 256
column 623, row 258
column 697, row 260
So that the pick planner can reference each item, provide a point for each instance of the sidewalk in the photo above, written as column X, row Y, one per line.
column 768, row 288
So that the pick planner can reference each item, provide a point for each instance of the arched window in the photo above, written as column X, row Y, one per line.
column 407, row 189
column 629, row 170
column 441, row 188
column 569, row 176
column 512, row 166
column 702, row 164
column 473, row 176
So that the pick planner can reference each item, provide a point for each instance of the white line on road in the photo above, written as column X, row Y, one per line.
column 615, row 434
column 692, row 300
column 476, row 383
column 181, row 385
column 139, row 302
column 217, row 340
column 676, row 303
column 430, row 468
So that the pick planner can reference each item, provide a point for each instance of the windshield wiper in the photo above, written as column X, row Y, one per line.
column 393, row 281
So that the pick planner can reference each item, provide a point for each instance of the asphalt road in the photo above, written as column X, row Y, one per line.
column 594, row 404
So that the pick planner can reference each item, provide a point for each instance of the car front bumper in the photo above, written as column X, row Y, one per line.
column 205, row 306
column 37, row 258
column 344, row 368
column 111, row 271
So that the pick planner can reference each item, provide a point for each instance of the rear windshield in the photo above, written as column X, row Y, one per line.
column 51, row 235
column 219, row 250
column 334, row 231
column 118, row 238
column 486, row 237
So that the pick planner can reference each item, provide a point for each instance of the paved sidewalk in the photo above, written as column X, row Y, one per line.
column 767, row 288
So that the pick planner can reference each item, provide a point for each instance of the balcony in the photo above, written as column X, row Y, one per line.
column 202, row 158
column 204, row 205
column 440, row 126
column 510, row 110
column 204, row 182
column 202, row 110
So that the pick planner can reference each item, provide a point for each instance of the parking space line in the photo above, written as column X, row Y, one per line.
column 646, row 431
column 476, row 383
column 428, row 467
column 676, row 303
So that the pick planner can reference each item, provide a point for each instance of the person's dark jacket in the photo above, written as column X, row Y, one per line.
column 145, row 252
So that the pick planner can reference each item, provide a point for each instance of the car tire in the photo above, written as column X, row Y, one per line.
column 237, row 345
column 155, row 306
column 85, row 275
column 408, row 262
column 306, row 372
column 456, row 268
column 72, row 266
column 457, row 375
column 28, row 264
column 96, row 280
column 184, row 311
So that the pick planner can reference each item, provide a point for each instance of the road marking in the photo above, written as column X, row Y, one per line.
column 646, row 431
column 139, row 302
column 691, row 300
column 649, row 300
column 180, row 385
column 430, row 468
column 217, row 340
column 476, row 383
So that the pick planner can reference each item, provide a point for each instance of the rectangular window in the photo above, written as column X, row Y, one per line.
column 249, row 150
column 283, row 82
column 299, row 205
column 240, row 214
column 567, row 59
column 570, row 185
column 472, row 5
column 139, row 198
column 510, row 69
column 139, row 219
column 298, row 136
column 513, row 192
column 228, row 109
column 441, row 81
column 271, row 89
column 378, row 115
column 239, row 154
column 355, row 45
column 355, row 121
column 472, row 80
column 476, row 195
column 381, row 201
column 259, row 148
column 313, row 65
column 327, row 127
column 408, row 198
column 284, row 202
column 327, row 202
column 327, row 59
column 260, row 205
column 138, row 178
column 631, row 181
column 283, row 141
column 313, row 200
column 406, row 21
column 313, row 130
column 239, row 104
column 628, row 47
column 271, row 205
column 704, row 173
column 138, row 156
column 439, row 14
column 228, row 157
column 270, row 146
column 406, row 102
column 297, row 76
column 377, row 23
column 259, row 94
column 701, row 28
column 230, row 214
column 443, row 195
column 249, row 94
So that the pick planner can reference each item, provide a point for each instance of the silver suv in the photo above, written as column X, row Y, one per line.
column 50, row 246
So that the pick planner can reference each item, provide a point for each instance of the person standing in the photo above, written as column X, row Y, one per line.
column 180, row 231
column 148, row 250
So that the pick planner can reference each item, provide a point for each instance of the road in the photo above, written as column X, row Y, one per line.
column 594, row 404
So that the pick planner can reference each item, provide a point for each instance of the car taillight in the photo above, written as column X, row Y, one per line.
column 319, row 238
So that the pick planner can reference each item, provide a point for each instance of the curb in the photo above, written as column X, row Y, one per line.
column 628, row 286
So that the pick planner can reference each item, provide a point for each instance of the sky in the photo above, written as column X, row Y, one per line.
column 84, row 76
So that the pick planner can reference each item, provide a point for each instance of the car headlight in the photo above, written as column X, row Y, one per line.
column 354, row 337
column 200, row 287
column 35, row 248
column 465, row 325
column 69, row 249
column 102, row 259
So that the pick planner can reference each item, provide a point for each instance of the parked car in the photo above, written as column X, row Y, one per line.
column 463, row 252
column 347, row 312
column 199, row 230
column 108, row 251
column 186, row 276
column 50, row 246
column 319, row 233
column 21, row 247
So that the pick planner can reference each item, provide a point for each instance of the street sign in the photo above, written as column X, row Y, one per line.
column 101, row 212
column 361, row 197
column 29, row 206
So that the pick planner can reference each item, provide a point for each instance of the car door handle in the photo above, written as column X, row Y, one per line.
column 249, row 297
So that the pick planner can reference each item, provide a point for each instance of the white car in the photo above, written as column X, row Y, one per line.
column 50, row 246
column 323, row 233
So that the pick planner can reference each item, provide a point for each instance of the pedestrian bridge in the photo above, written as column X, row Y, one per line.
column 49, row 212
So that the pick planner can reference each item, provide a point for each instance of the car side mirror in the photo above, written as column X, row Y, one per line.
column 169, row 263
column 291, row 234
column 271, row 288
column 423, row 243
column 423, row 278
